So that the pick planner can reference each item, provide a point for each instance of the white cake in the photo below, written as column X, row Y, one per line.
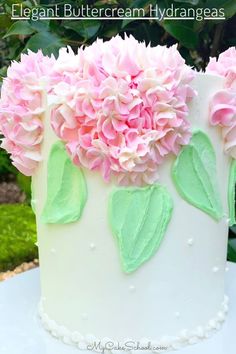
column 132, row 189
column 175, row 298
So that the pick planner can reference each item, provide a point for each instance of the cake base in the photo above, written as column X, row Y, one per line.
column 164, row 344
column 21, row 330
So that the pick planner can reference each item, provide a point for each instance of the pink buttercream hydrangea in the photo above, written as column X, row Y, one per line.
column 223, row 104
column 21, row 107
column 223, row 113
column 122, row 107
column 224, row 66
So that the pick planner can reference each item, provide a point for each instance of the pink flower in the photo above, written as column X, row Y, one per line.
column 21, row 109
column 223, row 104
column 223, row 108
column 223, row 113
column 224, row 66
column 229, row 136
column 122, row 107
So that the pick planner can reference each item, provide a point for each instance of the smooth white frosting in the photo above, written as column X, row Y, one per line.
column 183, row 338
column 83, row 286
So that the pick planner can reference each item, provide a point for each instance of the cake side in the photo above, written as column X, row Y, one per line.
column 180, row 288
column 132, row 189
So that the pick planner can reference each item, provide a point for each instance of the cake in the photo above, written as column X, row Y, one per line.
column 131, row 154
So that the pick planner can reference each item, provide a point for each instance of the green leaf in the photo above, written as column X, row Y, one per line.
column 232, row 231
column 229, row 6
column 192, row 2
column 66, row 188
column 85, row 28
column 5, row 22
column 231, row 193
column 14, row 47
column 195, row 176
column 139, row 218
column 3, row 72
column 182, row 32
column 49, row 42
column 40, row 26
column 111, row 29
column 6, row 166
column 232, row 250
column 19, row 28
column 126, row 22
column 141, row 3
column 138, row 4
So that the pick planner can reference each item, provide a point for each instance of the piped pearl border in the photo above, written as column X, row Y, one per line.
column 185, row 337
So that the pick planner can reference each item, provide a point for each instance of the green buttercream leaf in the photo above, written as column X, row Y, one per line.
column 66, row 189
column 194, row 174
column 231, row 193
column 139, row 218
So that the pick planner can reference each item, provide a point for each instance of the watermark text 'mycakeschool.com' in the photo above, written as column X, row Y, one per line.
column 126, row 346
column 67, row 11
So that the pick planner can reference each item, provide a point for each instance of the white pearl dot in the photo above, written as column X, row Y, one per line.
column 215, row 269
column 53, row 250
column 92, row 246
column 226, row 269
column 132, row 288
column 190, row 241
column 177, row 314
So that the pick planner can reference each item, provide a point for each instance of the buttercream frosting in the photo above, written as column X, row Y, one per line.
column 231, row 193
column 66, row 188
column 168, row 343
column 120, row 113
column 195, row 176
column 223, row 104
column 139, row 218
column 22, row 104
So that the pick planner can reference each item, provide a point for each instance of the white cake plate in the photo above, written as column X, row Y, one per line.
column 21, row 331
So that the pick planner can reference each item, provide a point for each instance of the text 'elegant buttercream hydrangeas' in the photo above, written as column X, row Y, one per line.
column 122, row 107
column 21, row 109
column 223, row 104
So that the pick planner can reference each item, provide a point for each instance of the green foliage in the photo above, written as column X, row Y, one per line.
column 86, row 28
column 232, row 250
column 24, row 182
column 197, row 39
column 19, row 28
column 5, row 164
column 17, row 235
column 183, row 31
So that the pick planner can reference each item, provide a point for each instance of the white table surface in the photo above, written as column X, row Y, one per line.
column 21, row 331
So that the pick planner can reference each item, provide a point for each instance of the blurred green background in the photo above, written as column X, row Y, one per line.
column 197, row 41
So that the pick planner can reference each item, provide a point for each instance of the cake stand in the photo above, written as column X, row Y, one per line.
column 21, row 331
